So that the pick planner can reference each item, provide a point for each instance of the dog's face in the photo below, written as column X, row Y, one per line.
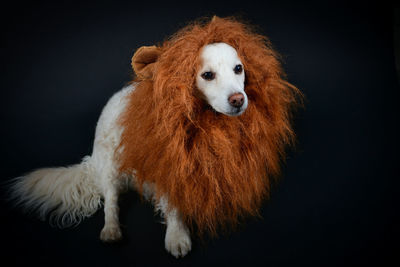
column 220, row 79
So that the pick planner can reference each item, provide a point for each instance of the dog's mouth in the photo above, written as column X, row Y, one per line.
column 232, row 113
column 235, row 112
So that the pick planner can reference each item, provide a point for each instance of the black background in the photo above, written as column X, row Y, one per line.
column 337, row 202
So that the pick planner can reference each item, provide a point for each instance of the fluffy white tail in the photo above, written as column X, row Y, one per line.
column 66, row 194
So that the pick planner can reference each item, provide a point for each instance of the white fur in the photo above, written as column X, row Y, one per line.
column 221, row 59
column 67, row 194
column 72, row 193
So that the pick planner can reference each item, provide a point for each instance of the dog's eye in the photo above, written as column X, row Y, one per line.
column 238, row 69
column 208, row 75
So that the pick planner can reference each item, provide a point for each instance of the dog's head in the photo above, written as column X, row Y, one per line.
column 219, row 75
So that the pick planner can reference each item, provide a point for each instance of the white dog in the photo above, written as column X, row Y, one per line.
column 72, row 193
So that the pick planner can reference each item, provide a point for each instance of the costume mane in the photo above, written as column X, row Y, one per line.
column 213, row 168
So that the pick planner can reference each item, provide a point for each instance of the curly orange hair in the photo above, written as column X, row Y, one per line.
column 213, row 168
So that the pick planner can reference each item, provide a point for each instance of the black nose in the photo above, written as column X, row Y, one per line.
column 236, row 100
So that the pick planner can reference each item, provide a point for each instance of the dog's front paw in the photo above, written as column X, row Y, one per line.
column 110, row 234
column 177, row 241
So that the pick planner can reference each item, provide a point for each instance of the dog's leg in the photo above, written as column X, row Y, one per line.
column 111, row 230
column 177, row 237
column 111, row 186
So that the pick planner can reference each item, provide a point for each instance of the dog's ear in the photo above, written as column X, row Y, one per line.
column 143, row 61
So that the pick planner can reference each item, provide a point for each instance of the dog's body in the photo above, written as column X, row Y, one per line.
column 80, row 188
column 194, row 179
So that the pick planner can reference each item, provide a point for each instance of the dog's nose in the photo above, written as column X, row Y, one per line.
column 236, row 100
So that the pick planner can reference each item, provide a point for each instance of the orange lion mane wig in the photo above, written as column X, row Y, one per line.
column 214, row 169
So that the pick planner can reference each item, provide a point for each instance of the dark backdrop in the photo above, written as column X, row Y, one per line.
column 337, row 202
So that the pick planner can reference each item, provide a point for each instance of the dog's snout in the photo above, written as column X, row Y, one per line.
column 236, row 100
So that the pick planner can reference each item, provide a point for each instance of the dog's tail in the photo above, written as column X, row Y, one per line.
column 65, row 194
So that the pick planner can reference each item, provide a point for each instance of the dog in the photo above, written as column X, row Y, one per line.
column 200, row 132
